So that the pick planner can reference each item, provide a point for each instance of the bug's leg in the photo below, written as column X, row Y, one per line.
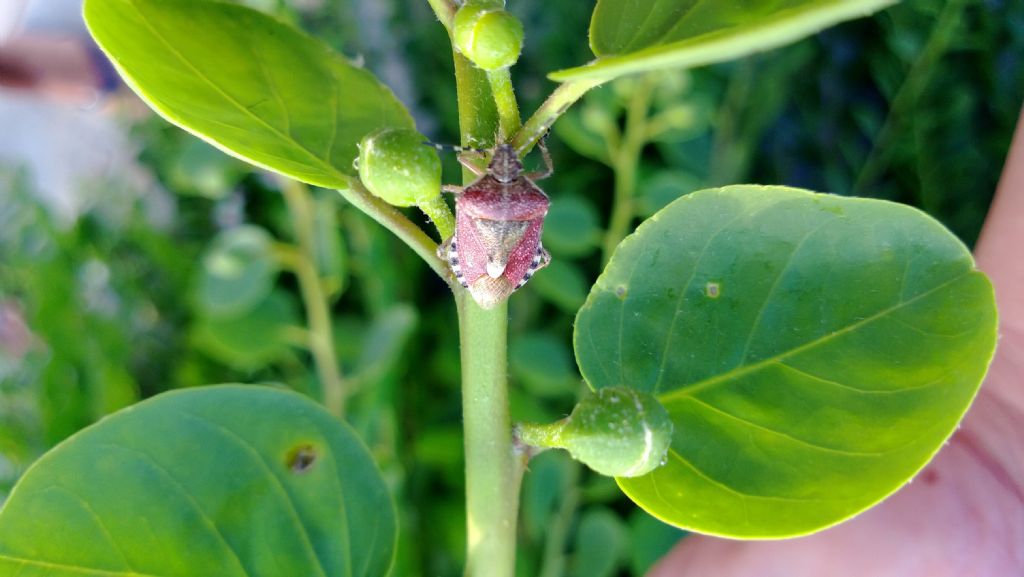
column 474, row 160
column 443, row 248
column 545, row 257
column 549, row 168
column 451, row 188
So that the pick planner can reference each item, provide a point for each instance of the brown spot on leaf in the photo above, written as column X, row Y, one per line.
column 713, row 290
column 301, row 459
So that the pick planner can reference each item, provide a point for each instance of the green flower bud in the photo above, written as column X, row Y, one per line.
column 490, row 37
column 395, row 166
column 617, row 431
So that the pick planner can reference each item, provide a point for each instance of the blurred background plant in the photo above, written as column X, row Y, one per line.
column 136, row 259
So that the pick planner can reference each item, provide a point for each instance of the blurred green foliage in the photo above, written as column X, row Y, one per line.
column 916, row 104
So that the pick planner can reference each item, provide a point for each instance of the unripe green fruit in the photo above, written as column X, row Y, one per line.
column 490, row 37
column 396, row 167
column 617, row 431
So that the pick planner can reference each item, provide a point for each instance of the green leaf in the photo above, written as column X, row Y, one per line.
column 548, row 480
column 237, row 272
column 201, row 170
column 659, row 190
column 383, row 343
column 813, row 351
column 228, row 481
column 571, row 227
column 601, row 542
column 649, row 541
column 562, row 283
column 252, row 340
column 248, row 84
column 647, row 35
column 542, row 362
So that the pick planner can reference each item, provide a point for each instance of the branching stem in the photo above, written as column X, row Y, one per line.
column 318, row 314
column 554, row 107
column 445, row 11
column 494, row 467
column 439, row 213
column 390, row 218
column 505, row 100
column 625, row 161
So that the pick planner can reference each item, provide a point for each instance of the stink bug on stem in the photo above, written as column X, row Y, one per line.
column 499, row 218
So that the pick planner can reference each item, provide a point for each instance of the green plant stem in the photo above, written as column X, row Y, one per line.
column 559, row 526
column 321, row 337
column 390, row 218
column 505, row 101
column 540, row 435
column 478, row 115
column 625, row 166
column 439, row 213
column 494, row 468
column 445, row 11
column 909, row 92
column 625, row 162
column 555, row 106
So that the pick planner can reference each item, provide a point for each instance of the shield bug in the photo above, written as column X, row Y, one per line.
column 496, row 247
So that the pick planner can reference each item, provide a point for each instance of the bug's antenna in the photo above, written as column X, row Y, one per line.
column 453, row 148
column 471, row 158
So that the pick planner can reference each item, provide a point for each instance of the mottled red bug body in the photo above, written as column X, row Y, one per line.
column 499, row 219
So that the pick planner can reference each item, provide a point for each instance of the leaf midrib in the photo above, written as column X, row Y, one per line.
column 740, row 371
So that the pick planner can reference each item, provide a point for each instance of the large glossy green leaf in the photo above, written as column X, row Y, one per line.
column 813, row 351
column 646, row 35
column 227, row 481
column 252, row 86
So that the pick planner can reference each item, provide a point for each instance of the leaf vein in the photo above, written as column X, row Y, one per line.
column 103, row 527
column 685, row 287
column 622, row 312
column 858, row 389
column 769, row 430
column 72, row 568
column 741, row 494
column 928, row 333
column 335, row 104
column 217, row 88
column 272, row 85
column 775, row 285
column 287, row 498
column 160, row 469
column 740, row 371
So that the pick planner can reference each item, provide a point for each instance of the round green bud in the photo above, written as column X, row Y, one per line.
column 398, row 168
column 490, row 37
column 619, row 432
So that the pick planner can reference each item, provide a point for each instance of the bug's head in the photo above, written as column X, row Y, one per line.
column 505, row 165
